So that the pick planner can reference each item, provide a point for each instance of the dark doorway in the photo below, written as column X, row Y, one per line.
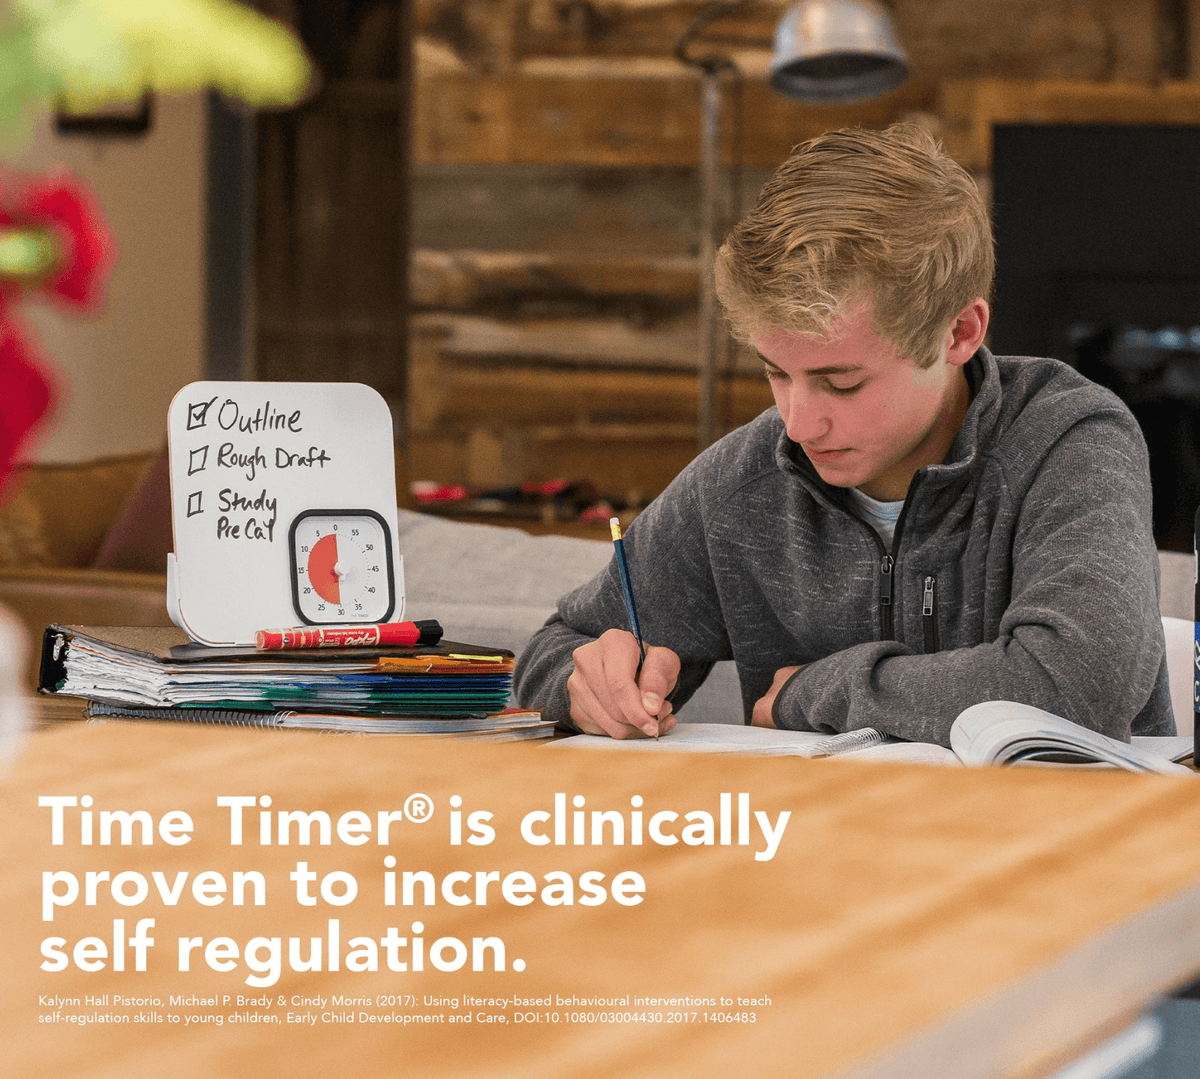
column 331, row 265
column 1098, row 264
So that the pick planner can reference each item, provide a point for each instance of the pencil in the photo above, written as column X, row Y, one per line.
column 627, row 588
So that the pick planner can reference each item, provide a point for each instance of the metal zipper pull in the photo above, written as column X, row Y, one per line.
column 885, row 588
column 928, row 621
column 885, row 597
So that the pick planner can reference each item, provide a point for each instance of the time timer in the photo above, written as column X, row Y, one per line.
column 341, row 562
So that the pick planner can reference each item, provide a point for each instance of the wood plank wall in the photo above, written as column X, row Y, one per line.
column 553, row 225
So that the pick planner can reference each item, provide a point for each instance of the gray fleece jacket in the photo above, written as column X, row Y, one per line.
column 1023, row 568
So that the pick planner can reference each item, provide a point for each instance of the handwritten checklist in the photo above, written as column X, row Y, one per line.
column 247, row 460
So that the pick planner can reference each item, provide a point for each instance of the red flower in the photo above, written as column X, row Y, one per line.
column 87, row 246
column 27, row 389
column 26, row 394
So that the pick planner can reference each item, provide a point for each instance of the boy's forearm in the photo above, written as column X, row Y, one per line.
column 543, row 667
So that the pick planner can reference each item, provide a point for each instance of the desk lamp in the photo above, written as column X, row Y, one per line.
column 826, row 51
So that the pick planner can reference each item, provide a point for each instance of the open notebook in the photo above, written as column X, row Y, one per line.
column 994, row 732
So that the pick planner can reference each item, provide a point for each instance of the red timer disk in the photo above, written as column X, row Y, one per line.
column 341, row 567
column 323, row 567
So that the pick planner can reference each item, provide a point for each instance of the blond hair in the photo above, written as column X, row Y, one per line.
column 860, row 215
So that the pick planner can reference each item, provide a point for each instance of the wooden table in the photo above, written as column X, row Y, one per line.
column 911, row 921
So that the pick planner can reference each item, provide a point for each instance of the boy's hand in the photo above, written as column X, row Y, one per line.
column 761, row 716
column 607, row 695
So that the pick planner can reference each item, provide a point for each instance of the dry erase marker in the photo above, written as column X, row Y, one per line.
column 426, row 631
column 626, row 587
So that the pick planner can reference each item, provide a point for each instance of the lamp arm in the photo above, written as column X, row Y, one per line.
column 709, row 61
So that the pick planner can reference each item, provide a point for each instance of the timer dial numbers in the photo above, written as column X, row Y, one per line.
column 341, row 567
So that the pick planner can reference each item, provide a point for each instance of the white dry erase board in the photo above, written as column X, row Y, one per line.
column 283, row 502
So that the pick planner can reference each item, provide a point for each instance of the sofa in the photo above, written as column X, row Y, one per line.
column 86, row 544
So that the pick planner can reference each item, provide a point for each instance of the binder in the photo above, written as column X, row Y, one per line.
column 161, row 669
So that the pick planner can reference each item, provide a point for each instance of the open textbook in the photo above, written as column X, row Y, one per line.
column 994, row 732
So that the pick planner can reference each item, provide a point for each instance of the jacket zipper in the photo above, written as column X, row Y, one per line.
column 928, row 617
column 887, row 626
column 886, row 630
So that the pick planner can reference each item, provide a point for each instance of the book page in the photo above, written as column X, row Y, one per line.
column 760, row 741
column 910, row 753
column 1175, row 747
column 708, row 738
column 1005, row 732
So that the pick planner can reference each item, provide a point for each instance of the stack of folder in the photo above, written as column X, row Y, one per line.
column 149, row 673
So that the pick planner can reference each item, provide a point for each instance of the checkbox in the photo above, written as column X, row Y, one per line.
column 195, row 503
column 198, row 414
column 197, row 460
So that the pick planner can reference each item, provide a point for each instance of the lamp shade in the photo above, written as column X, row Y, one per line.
column 837, row 50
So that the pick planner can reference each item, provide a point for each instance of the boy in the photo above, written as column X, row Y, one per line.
column 916, row 527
